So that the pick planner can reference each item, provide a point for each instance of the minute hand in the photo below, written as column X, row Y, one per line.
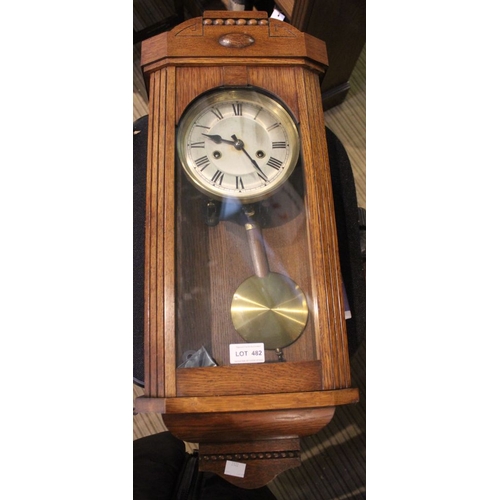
column 239, row 144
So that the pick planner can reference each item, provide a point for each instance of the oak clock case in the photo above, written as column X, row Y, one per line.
column 240, row 243
column 239, row 149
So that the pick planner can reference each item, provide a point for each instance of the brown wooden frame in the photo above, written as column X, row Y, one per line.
column 178, row 66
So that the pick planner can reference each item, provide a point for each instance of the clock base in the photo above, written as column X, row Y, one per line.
column 257, row 445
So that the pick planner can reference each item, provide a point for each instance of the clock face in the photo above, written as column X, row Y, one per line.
column 238, row 143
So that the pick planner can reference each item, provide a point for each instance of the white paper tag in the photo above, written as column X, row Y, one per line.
column 246, row 353
column 235, row 469
column 278, row 15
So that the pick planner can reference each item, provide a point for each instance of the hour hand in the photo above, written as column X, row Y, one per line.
column 218, row 139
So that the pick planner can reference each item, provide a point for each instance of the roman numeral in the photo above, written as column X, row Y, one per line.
column 255, row 117
column 217, row 113
column 218, row 176
column 238, row 109
column 274, row 163
column 272, row 127
column 201, row 126
column 279, row 145
column 198, row 144
column 202, row 162
column 239, row 183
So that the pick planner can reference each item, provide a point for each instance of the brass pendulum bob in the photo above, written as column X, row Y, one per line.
column 268, row 307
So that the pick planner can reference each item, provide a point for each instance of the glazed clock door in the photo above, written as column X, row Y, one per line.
column 243, row 259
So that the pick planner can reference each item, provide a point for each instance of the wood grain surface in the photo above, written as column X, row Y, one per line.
column 333, row 460
column 179, row 66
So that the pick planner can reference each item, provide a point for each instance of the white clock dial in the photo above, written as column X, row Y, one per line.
column 237, row 144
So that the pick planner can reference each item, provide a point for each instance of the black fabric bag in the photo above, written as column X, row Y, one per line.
column 164, row 471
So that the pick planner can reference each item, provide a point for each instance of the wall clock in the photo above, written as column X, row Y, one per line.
column 245, row 338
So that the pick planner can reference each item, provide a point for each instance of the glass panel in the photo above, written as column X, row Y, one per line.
column 243, row 266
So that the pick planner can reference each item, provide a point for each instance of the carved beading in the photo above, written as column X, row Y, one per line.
column 251, row 456
column 235, row 22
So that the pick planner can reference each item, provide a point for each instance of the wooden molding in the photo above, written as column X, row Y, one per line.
column 257, row 402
